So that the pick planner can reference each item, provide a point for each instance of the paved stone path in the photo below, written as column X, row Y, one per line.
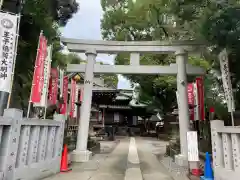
column 151, row 168
column 132, row 159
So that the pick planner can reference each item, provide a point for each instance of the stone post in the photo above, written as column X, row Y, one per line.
column 184, row 124
column 81, row 154
column 10, row 142
column 58, row 143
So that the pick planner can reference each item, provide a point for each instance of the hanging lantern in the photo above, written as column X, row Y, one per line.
column 77, row 77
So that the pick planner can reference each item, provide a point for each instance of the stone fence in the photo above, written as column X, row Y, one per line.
column 225, row 151
column 29, row 148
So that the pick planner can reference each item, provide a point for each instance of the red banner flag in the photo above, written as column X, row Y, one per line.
column 73, row 96
column 65, row 95
column 191, row 100
column 81, row 95
column 200, row 90
column 38, row 76
column 53, row 86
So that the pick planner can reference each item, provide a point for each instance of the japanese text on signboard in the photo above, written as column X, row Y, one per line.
column 8, row 36
column 73, row 96
column 191, row 100
column 223, row 57
column 38, row 76
column 65, row 95
column 53, row 86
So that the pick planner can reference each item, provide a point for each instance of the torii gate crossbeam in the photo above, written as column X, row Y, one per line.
column 130, row 69
column 91, row 48
column 111, row 47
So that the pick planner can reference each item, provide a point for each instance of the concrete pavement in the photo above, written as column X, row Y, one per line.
column 151, row 168
column 132, row 159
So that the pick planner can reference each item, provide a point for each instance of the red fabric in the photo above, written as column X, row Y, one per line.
column 197, row 172
column 200, row 88
column 81, row 95
column 38, row 76
column 65, row 95
column 211, row 110
column 191, row 100
column 73, row 94
column 53, row 86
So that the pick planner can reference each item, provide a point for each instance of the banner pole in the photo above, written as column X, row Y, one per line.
column 14, row 61
column 29, row 102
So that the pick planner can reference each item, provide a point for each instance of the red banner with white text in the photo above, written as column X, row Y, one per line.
column 73, row 96
column 38, row 76
column 53, row 86
column 200, row 90
column 191, row 100
column 81, row 95
column 65, row 95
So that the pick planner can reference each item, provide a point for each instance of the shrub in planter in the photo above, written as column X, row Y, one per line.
column 173, row 148
column 167, row 150
column 92, row 143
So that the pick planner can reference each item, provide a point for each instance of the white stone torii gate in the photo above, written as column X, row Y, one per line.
column 92, row 47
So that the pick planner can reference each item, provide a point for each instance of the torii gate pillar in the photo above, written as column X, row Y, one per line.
column 81, row 154
column 183, row 110
column 181, row 69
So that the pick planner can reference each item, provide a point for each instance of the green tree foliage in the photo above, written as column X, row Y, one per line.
column 124, row 20
column 213, row 22
column 36, row 16
column 216, row 22
column 144, row 20
column 110, row 80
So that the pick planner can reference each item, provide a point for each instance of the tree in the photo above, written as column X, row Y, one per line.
column 128, row 21
column 35, row 16
column 110, row 80
column 142, row 21
column 216, row 22
column 168, row 20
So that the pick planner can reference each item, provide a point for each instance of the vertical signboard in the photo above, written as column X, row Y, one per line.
column 53, row 86
column 192, row 141
column 8, row 39
column 38, row 78
column 72, row 99
column 191, row 100
column 196, row 109
column 200, row 91
column 65, row 95
column 227, row 86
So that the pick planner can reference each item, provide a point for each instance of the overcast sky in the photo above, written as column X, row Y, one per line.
column 85, row 24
